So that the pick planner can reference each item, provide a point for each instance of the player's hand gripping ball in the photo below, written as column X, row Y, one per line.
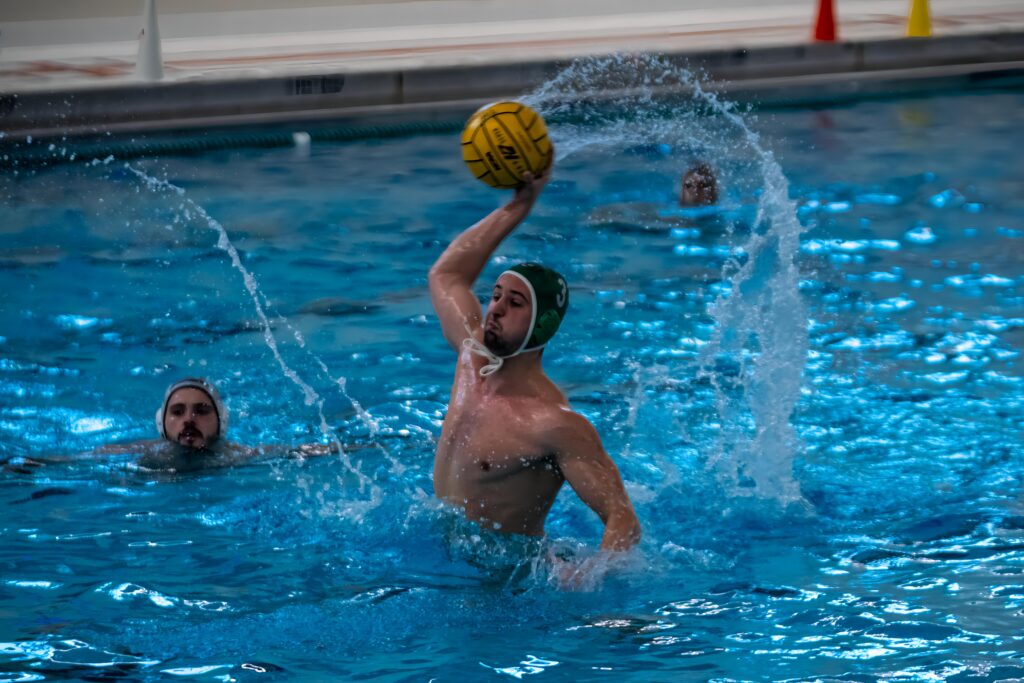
column 504, row 140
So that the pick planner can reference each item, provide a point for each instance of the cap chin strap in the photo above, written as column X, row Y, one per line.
column 494, row 361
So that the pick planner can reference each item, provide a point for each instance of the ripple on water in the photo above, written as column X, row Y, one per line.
column 921, row 236
column 63, row 656
column 913, row 635
column 908, row 418
column 131, row 592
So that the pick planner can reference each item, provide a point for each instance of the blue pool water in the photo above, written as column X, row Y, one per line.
column 814, row 397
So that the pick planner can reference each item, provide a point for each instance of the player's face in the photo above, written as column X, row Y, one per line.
column 697, row 190
column 191, row 419
column 508, row 316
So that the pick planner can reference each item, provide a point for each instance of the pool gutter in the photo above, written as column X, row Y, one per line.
column 767, row 76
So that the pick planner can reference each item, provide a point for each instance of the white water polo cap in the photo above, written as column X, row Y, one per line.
column 203, row 386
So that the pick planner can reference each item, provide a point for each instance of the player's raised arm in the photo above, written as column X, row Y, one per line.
column 596, row 480
column 452, row 276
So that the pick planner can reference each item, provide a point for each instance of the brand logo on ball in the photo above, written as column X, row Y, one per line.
column 508, row 151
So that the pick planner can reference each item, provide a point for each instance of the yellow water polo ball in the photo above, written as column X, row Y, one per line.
column 504, row 140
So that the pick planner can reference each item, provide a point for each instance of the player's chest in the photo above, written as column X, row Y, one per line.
column 493, row 428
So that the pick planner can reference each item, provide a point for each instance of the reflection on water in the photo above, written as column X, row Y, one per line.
column 909, row 267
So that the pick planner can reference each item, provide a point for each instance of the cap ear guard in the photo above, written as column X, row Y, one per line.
column 545, row 328
column 160, row 421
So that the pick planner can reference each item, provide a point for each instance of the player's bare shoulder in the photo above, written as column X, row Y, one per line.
column 564, row 429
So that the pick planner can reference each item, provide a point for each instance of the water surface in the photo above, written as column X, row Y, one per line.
column 892, row 547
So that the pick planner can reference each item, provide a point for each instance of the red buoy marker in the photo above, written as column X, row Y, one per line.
column 825, row 26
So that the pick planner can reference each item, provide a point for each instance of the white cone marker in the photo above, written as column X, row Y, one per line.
column 150, row 64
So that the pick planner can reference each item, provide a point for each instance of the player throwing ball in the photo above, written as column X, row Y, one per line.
column 510, row 439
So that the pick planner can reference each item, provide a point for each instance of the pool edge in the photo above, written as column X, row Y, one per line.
column 770, row 76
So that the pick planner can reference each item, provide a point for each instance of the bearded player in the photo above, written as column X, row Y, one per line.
column 510, row 439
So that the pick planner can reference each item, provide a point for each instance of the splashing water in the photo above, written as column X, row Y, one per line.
column 372, row 425
column 311, row 397
column 614, row 103
column 619, row 101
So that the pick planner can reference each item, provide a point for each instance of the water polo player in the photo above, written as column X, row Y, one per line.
column 510, row 440
column 192, row 420
column 192, row 414
column 698, row 187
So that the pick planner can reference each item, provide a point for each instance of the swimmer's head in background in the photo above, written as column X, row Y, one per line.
column 699, row 187
column 550, row 294
column 176, row 421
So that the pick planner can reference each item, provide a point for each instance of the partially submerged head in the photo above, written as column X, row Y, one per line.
column 527, row 306
column 699, row 187
column 192, row 414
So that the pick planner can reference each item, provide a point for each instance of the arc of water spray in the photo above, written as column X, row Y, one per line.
column 311, row 397
column 775, row 392
column 371, row 424
column 773, row 387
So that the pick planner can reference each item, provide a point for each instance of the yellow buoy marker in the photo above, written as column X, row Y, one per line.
column 920, row 24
